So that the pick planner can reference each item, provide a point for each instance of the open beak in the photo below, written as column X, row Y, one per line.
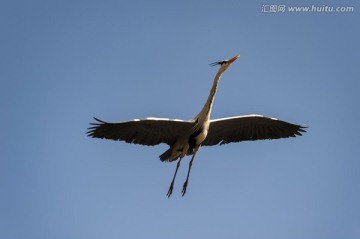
column 234, row 59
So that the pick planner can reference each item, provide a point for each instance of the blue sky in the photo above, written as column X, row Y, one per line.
column 63, row 62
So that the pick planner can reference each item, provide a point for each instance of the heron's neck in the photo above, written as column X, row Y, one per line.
column 204, row 114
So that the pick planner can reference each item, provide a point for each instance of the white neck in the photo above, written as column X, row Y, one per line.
column 204, row 114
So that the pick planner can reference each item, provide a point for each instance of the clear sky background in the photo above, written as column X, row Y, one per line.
column 63, row 62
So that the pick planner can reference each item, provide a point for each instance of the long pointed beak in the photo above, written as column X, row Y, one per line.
column 234, row 59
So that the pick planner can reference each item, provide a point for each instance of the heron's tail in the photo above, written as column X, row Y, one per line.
column 173, row 153
column 166, row 156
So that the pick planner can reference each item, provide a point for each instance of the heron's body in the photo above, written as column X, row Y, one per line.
column 185, row 137
column 191, row 140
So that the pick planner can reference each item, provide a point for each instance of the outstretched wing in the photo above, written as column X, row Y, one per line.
column 148, row 131
column 249, row 127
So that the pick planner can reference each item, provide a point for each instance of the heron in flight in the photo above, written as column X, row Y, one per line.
column 185, row 137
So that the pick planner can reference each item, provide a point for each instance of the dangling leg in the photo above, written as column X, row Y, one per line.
column 172, row 182
column 190, row 164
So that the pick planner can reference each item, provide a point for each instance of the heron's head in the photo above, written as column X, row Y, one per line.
column 225, row 63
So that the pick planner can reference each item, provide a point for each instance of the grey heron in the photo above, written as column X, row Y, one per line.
column 185, row 137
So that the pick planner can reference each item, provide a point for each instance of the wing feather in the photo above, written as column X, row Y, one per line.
column 249, row 127
column 148, row 131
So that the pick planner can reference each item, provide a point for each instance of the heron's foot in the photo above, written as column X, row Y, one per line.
column 184, row 188
column 170, row 189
